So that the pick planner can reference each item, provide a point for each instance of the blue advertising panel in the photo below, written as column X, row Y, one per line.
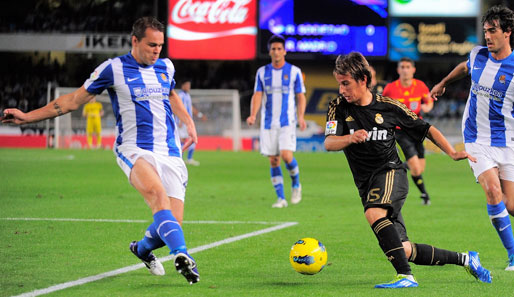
column 420, row 38
column 325, row 27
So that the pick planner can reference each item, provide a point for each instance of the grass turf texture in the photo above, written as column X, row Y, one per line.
column 231, row 187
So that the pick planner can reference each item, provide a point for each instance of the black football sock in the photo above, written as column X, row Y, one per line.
column 390, row 242
column 424, row 254
column 418, row 181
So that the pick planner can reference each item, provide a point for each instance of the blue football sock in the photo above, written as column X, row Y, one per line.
column 190, row 151
column 278, row 181
column 501, row 222
column 169, row 231
column 294, row 172
column 151, row 241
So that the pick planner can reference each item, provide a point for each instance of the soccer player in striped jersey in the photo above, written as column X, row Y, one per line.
column 363, row 125
column 183, row 93
column 415, row 95
column 147, row 146
column 488, row 119
column 279, row 82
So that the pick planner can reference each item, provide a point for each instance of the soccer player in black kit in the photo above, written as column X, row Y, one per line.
column 362, row 124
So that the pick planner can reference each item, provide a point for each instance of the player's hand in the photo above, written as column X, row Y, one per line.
column 437, row 90
column 13, row 116
column 302, row 124
column 193, row 138
column 359, row 136
column 463, row 155
column 250, row 120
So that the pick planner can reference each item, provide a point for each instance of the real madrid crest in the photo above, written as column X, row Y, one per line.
column 379, row 119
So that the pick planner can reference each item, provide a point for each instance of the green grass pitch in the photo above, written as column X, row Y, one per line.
column 230, row 187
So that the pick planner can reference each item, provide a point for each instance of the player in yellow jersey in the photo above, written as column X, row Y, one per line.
column 93, row 111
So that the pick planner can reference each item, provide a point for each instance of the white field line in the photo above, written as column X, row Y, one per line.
column 198, row 249
column 135, row 221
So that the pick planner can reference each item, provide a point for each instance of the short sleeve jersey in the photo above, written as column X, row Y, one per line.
column 488, row 118
column 412, row 96
column 279, row 87
column 140, row 102
column 379, row 119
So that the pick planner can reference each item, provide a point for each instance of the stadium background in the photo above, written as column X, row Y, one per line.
column 101, row 26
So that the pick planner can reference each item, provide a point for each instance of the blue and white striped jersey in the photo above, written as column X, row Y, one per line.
column 279, row 87
column 186, row 99
column 140, row 102
column 489, row 115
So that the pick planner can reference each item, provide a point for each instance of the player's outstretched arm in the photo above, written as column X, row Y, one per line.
column 337, row 143
column 58, row 107
column 457, row 73
column 438, row 139
column 181, row 112
column 255, row 105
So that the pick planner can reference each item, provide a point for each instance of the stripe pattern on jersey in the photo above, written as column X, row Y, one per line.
column 280, row 87
column 489, row 114
column 140, row 99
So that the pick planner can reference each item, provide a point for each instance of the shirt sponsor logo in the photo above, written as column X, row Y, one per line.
column 486, row 92
column 331, row 128
column 149, row 93
column 374, row 134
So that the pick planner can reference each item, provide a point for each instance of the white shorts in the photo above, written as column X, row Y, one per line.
column 491, row 156
column 172, row 170
column 273, row 141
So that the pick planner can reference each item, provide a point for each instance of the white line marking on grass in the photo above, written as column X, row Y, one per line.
column 141, row 265
column 75, row 220
column 136, row 221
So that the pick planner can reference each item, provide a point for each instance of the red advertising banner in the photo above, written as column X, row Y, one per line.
column 212, row 29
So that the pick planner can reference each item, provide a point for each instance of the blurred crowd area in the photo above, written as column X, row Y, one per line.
column 25, row 76
column 70, row 16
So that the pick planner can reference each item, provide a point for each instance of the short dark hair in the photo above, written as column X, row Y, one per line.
column 505, row 18
column 355, row 65
column 407, row 59
column 276, row 38
column 140, row 25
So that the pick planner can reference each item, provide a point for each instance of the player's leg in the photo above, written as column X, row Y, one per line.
column 277, row 180
column 89, row 133
column 498, row 214
column 98, row 132
column 387, row 192
column 269, row 146
column 488, row 175
column 417, row 166
column 294, row 173
column 507, row 184
column 287, row 145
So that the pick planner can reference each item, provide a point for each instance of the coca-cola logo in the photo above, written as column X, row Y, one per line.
column 213, row 12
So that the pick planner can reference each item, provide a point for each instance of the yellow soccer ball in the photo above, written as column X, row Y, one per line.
column 308, row 256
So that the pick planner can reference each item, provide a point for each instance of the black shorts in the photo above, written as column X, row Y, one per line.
column 409, row 146
column 388, row 189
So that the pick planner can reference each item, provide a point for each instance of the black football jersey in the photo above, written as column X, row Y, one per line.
column 380, row 119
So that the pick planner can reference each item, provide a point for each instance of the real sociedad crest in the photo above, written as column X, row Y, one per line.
column 502, row 79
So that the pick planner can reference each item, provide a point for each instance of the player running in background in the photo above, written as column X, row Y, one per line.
column 183, row 93
column 280, row 82
column 147, row 147
column 93, row 112
column 415, row 95
column 363, row 124
column 488, row 119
